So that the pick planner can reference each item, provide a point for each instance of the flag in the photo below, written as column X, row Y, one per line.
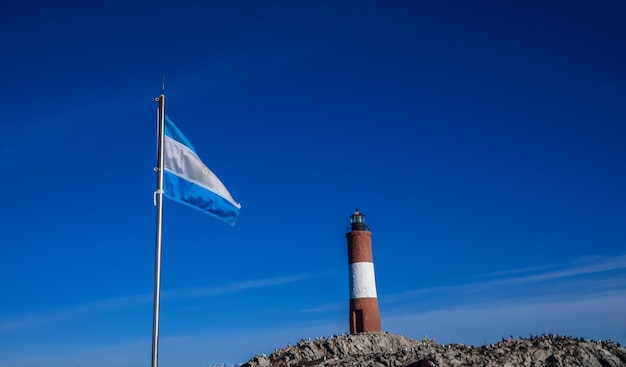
column 190, row 182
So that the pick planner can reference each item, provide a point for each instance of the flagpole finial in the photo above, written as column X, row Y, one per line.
column 163, row 84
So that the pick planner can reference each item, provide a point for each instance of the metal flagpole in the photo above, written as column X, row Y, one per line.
column 158, row 199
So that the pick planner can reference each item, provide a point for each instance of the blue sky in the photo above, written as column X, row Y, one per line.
column 484, row 142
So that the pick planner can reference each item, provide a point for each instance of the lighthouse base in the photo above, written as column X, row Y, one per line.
column 364, row 315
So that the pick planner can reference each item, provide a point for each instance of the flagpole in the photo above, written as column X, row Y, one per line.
column 159, row 227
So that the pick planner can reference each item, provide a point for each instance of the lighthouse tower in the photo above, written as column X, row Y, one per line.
column 364, row 313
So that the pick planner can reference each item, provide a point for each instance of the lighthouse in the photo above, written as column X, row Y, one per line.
column 364, row 313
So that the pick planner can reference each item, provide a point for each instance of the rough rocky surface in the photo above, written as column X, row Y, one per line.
column 384, row 349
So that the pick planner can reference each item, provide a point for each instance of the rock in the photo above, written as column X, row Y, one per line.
column 421, row 363
column 389, row 350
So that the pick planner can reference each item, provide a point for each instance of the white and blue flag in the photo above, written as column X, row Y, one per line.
column 190, row 182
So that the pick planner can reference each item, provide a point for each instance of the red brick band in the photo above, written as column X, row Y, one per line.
column 359, row 247
column 364, row 315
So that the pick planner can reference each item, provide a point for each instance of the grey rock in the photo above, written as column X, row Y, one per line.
column 390, row 350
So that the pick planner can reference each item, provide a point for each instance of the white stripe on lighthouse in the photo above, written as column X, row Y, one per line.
column 362, row 282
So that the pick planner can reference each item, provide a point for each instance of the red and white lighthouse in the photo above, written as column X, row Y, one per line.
column 364, row 313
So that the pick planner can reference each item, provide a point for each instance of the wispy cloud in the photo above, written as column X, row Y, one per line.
column 183, row 350
column 323, row 308
column 129, row 354
column 240, row 286
column 73, row 313
column 586, row 275
column 599, row 317
column 590, row 265
column 582, row 265
column 597, row 314
column 88, row 309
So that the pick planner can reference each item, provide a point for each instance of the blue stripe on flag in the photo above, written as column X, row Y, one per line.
column 187, row 180
column 173, row 132
column 190, row 194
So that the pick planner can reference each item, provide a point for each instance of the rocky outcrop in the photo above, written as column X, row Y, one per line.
column 384, row 349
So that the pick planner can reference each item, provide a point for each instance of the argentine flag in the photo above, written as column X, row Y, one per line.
column 190, row 182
